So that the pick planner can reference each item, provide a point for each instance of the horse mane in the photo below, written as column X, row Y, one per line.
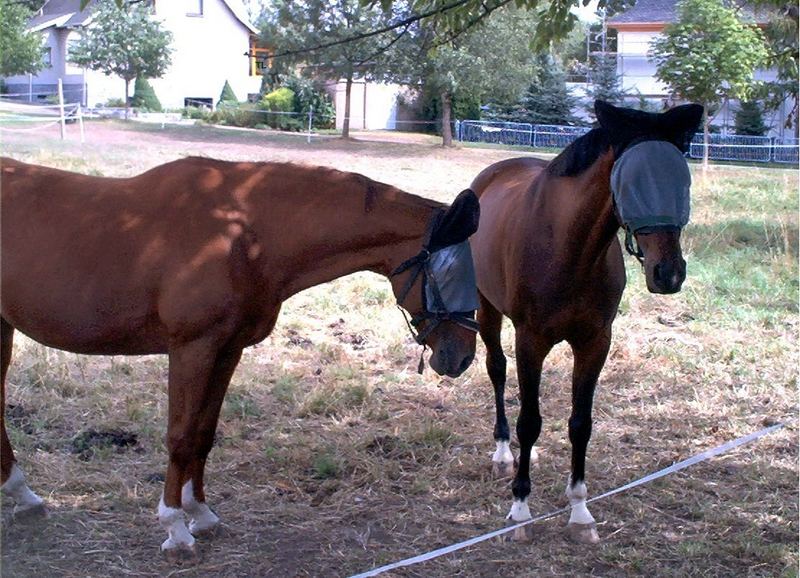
column 580, row 154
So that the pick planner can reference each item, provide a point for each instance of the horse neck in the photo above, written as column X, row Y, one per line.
column 592, row 222
column 345, row 235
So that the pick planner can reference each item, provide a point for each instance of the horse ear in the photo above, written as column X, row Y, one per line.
column 606, row 114
column 681, row 123
column 458, row 223
column 622, row 123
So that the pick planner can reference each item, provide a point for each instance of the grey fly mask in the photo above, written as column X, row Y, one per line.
column 650, row 183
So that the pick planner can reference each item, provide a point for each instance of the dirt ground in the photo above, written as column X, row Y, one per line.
column 333, row 456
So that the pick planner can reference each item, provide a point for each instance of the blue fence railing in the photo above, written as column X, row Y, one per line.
column 742, row 148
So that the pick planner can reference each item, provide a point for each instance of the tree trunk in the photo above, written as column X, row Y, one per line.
column 127, row 102
column 447, row 129
column 346, row 122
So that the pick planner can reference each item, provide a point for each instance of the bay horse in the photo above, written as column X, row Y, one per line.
column 193, row 259
column 547, row 256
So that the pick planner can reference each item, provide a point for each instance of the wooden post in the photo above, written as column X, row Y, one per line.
column 61, row 109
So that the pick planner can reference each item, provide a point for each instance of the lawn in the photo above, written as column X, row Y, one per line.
column 333, row 455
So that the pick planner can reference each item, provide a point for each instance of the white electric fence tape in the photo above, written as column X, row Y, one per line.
column 649, row 478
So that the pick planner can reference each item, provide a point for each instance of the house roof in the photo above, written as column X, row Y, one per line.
column 68, row 14
column 650, row 11
column 662, row 12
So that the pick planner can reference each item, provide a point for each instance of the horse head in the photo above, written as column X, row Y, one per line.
column 650, row 183
column 443, row 308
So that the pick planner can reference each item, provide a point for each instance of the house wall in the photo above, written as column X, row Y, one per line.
column 207, row 51
column 638, row 77
column 201, row 61
column 373, row 106
column 638, row 72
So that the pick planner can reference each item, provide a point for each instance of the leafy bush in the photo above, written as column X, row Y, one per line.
column 281, row 102
column 246, row 116
column 144, row 97
column 309, row 97
column 115, row 103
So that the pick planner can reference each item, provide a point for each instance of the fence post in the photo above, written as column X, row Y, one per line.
column 61, row 109
column 457, row 124
column 79, row 111
column 310, row 121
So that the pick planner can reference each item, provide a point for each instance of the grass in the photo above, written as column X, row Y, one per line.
column 333, row 455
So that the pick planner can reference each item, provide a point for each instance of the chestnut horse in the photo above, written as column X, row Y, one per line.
column 547, row 256
column 193, row 259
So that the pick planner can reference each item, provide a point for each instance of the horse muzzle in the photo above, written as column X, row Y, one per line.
column 666, row 276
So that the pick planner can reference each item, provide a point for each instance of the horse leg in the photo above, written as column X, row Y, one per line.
column 531, row 351
column 191, row 366
column 202, row 519
column 589, row 358
column 27, row 504
column 490, row 323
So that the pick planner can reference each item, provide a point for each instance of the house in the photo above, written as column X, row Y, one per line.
column 637, row 28
column 212, row 41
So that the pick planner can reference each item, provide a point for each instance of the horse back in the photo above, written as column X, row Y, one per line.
column 526, row 266
column 105, row 265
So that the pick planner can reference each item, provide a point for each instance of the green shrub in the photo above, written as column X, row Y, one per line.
column 115, row 103
column 144, row 97
column 310, row 97
column 281, row 102
column 227, row 96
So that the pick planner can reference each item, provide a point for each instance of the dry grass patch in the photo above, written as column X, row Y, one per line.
column 333, row 455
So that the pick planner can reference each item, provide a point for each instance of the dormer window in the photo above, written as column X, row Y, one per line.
column 194, row 7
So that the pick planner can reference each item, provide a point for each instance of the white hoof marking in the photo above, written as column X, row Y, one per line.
column 173, row 521
column 18, row 490
column 201, row 518
column 502, row 454
column 577, row 499
column 519, row 511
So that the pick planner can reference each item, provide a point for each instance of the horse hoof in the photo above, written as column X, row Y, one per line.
column 31, row 513
column 523, row 534
column 583, row 533
column 208, row 531
column 502, row 469
column 181, row 554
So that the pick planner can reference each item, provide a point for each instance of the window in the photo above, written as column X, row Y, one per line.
column 194, row 7
column 47, row 57
column 259, row 57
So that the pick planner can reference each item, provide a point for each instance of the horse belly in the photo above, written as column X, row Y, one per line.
column 85, row 296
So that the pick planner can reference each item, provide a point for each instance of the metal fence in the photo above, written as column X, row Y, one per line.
column 757, row 149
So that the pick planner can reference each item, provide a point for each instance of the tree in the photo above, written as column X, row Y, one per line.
column 782, row 36
column 20, row 50
column 546, row 101
column 292, row 26
column 490, row 62
column 125, row 42
column 606, row 81
column 749, row 120
column 708, row 56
